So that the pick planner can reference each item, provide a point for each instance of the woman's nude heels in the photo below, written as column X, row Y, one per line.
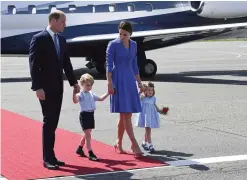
column 118, row 149
column 136, row 154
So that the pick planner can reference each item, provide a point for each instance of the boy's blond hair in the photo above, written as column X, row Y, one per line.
column 86, row 77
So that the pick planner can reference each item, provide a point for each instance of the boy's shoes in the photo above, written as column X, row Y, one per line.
column 92, row 156
column 151, row 149
column 80, row 152
column 145, row 146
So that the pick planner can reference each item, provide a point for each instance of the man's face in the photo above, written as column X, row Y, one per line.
column 59, row 24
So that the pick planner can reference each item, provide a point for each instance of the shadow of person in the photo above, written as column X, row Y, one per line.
column 172, row 158
column 111, row 169
column 118, row 175
column 80, row 170
column 92, row 173
column 116, row 164
column 199, row 167
column 172, row 153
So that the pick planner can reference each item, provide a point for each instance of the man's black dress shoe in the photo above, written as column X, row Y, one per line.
column 60, row 163
column 50, row 166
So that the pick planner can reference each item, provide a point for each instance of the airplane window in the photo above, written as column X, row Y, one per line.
column 131, row 7
column 52, row 8
column 112, row 8
column 11, row 9
column 32, row 9
column 149, row 7
column 72, row 8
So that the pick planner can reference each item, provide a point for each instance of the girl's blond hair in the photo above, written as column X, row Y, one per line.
column 149, row 84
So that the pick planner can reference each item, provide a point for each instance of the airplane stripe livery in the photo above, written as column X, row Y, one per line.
column 91, row 25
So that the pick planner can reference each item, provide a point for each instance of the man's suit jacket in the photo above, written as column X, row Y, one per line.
column 46, row 68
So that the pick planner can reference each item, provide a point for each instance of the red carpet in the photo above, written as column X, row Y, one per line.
column 21, row 152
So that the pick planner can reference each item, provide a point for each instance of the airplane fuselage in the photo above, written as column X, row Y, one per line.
column 94, row 18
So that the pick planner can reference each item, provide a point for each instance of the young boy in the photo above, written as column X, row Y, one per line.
column 86, row 99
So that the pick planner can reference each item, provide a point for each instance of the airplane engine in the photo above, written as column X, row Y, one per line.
column 219, row 9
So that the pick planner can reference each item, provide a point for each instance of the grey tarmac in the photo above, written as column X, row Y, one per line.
column 203, row 83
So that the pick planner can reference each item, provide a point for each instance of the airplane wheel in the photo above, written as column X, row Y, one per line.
column 101, row 68
column 150, row 68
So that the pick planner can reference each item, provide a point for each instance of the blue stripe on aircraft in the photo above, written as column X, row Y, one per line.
column 165, row 21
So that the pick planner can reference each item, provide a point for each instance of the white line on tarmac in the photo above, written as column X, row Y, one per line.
column 238, row 55
column 178, row 163
column 207, row 160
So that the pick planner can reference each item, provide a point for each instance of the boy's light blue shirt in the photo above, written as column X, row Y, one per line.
column 87, row 101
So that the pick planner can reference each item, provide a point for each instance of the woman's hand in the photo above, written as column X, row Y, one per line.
column 141, row 87
column 110, row 88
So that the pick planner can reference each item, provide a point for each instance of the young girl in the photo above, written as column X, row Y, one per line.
column 86, row 99
column 149, row 117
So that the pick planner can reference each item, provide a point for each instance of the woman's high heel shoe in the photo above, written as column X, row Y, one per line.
column 119, row 150
column 136, row 154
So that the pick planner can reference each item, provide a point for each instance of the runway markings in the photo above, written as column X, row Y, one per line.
column 210, row 160
column 207, row 160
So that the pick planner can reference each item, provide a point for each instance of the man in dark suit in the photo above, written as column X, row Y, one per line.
column 48, row 57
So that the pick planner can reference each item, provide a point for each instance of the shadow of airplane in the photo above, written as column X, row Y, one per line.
column 181, row 77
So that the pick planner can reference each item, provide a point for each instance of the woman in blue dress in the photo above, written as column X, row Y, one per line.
column 122, row 74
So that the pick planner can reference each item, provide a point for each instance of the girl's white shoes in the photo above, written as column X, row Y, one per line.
column 148, row 147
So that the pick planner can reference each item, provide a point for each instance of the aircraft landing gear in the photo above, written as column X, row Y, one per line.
column 149, row 68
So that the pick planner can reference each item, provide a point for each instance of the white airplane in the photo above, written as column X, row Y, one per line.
column 90, row 25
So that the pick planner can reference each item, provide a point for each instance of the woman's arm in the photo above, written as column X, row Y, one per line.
column 136, row 70
column 109, row 66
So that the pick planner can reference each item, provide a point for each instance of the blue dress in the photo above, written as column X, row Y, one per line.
column 122, row 63
column 149, row 117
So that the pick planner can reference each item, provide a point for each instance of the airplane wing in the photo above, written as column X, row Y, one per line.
column 159, row 34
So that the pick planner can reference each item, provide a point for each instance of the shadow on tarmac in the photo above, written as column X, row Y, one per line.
column 200, row 77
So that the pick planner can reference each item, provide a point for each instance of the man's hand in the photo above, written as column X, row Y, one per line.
column 76, row 89
column 40, row 93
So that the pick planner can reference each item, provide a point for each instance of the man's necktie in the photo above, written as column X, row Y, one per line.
column 57, row 45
